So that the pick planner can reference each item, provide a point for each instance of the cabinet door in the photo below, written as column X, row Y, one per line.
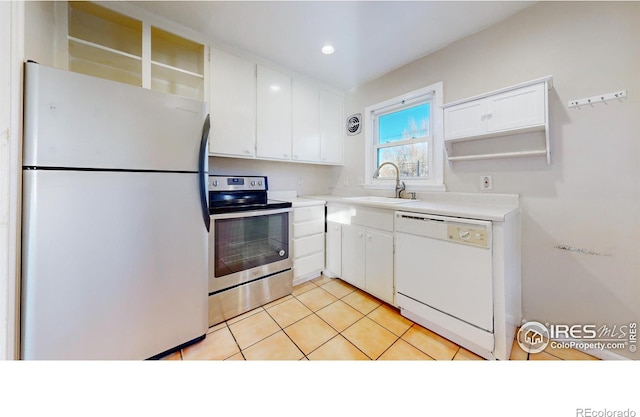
column 331, row 128
column 516, row 109
column 333, row 249
column 233, row 105
column 305, row 123
column 379, row 265
column 274, row 115
column 466, row 119
column 353, row 255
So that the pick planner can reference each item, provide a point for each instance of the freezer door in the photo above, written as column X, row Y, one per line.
column 114, row 264
column 77, row 121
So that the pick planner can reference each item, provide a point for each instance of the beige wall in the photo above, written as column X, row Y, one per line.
column 589, row 198
column 305, row 179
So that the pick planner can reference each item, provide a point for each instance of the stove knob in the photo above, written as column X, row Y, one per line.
column 464, row 234
column 260, row 183
column 215, row 183
column 253, row 183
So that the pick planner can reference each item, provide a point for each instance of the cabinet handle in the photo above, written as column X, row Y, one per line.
column 360, row 234
column 286, row 155
column 247, row 151
column 369, row 237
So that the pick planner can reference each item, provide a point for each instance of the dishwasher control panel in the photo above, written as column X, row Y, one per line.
column 464, row 233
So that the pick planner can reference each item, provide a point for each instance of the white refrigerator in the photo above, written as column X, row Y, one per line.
column 115, row 219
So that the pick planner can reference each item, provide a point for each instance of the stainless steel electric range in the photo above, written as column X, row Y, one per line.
column 249, row 245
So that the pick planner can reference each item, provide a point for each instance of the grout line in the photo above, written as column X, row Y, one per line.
column 457, row 351
column 234, row 339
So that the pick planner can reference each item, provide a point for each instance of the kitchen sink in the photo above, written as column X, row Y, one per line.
column 383, row 200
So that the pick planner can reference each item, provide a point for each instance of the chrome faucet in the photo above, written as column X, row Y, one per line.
column 400, row 186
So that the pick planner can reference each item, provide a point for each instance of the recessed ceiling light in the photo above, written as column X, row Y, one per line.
column 327, row 49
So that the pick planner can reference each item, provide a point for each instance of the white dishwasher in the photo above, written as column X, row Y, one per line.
column 444, row 280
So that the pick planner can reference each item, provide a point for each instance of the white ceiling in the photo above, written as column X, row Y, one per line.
column 370, row 38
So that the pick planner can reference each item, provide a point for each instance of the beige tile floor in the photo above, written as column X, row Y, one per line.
column 328, row 319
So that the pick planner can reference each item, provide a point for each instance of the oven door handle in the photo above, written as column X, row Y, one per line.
column 203, row 174
column 250, row 213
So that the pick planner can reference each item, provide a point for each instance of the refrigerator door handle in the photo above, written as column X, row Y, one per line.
column 202, row 174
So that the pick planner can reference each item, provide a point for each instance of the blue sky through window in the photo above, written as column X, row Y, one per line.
column 404, row 124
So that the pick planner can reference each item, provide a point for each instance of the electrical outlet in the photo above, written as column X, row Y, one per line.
column 486, row 182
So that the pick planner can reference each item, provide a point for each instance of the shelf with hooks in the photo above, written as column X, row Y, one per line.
column 602, row 98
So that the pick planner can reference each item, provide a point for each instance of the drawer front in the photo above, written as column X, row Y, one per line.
column 376, row 218
column 308, row 264
column 307, row 245
column 308, row 228
column 303, row 214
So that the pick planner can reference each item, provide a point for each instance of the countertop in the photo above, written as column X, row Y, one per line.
column 493, row 207
column 294, row 199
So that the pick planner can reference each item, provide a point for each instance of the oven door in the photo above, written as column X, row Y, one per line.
column 248, row 245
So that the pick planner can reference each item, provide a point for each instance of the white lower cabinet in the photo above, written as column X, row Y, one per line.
column 333, row 250
column 366, row 252
column 308, row 242
column 367, row 260
column 353, row 255
column 379, row 265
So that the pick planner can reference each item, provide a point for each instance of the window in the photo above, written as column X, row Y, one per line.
column 407, row 131
column 403, row 137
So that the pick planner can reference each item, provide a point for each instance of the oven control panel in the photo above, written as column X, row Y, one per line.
column 225, row 183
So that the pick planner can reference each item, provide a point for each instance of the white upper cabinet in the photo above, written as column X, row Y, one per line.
column 273, row 115
column 518, row 109
column 256, row 112
column 501, row 113
column 232, row 106
column 104, row 43
column 464, row 120
column 306, row 122
column 317, row 124
column 510, row 111
column 331, row 128
column 177, row 65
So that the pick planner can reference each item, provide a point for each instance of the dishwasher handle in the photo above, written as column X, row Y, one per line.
column 420, row 225
column 416, row 216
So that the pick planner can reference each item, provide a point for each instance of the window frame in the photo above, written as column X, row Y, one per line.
column 435, row 142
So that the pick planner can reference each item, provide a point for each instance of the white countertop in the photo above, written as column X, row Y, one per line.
column 294, row 199
column 493, row 207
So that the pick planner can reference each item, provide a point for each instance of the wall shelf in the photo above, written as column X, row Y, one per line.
column 511, row 111
column 107, row 44
column 541, row 152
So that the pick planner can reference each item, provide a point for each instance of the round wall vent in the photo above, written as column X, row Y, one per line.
column 354, row 124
